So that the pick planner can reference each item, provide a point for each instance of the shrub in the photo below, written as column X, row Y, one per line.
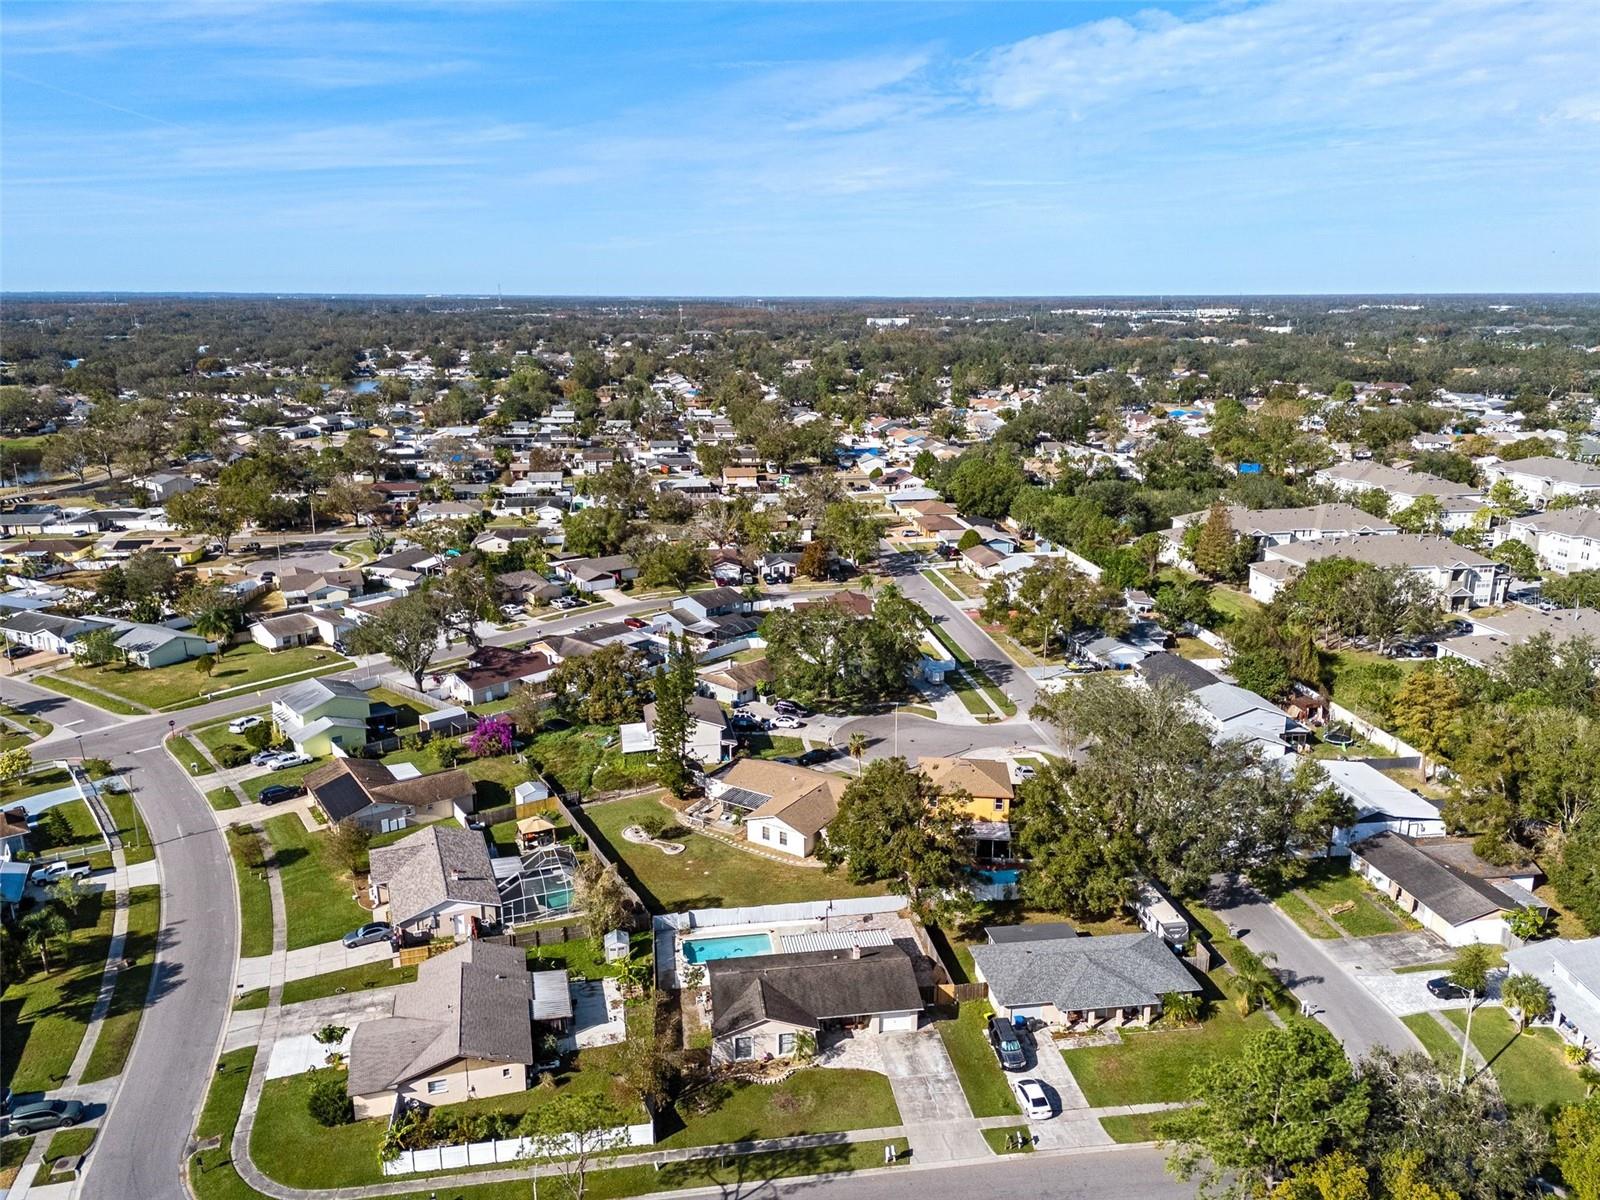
column 328, row 1104
column 98, row 768
column 232, row 755
column 655, row 823
column 258, row 737
column 445, row 753
column 490, row 737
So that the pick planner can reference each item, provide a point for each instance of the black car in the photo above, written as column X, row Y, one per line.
column 279, row 792
column 1007, row 1045
column 1445, row 990
column 812, row 757
column 45, row 1114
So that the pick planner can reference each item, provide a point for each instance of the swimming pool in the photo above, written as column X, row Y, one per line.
column 714, row 949
column 1007, row 876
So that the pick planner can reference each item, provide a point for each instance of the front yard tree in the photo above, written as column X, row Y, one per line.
column 603, row 688
column 407, row 630
column 1577, row 1148
column 1529, row 996
column 822, row 654
column 568, row 1133
column 852, row 529
column 213, row 612
column 1288, row 1097
column 348, row 843
column 201, row 511
column 42, row 926
column 15, row 763
column 465, row 596
column 1470, row 969
column 813, row 562
column 894, row 824
column 595, row 531
column 1054, row 599
column 664, row 563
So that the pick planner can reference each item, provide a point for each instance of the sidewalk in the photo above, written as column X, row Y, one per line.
column 307, row 961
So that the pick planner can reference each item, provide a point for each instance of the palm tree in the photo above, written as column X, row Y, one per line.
column 215, row 624
column 858, row 748
column 1529, row 996
column 1255, row 976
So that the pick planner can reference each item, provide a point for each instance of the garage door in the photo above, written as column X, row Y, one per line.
column 1036, row 1011
column 906, row 1023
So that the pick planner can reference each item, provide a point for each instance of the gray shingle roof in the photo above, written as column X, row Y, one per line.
column 1119, row 970
column 436, row 864
column 806, row 989
column 1454, row 896
column 475, row 1001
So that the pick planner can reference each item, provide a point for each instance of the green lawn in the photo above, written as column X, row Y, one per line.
column 34, row 783
column 1302, row 914
column 998, row 1139
column 967, row 1042
column 1193, row 648
column 774, row 745
column 580, row 959
column 710, row 873
column 211, row 1172
column 255, row 896
column 65, row 1143
column 1157, row 1065
column 819, row 1100
column 117, row 1031
column 939, row 581
column 136, row 847
column 222, row 799
column 1330, row 882
column 578, row 760
column 43, row 1015
column 214, row 735
column 1436, row 1040
column 13, row 1152
column 317, row 894
column 66, row 687
column 188, row 755
column 39, row 726
column 180, row 684
column 971, row 699
column 410, row 710
column 1529, row 1067
column 254, row 998
column 83, row 835
column 351, row 979
column 252, row 787
column 1365, row 682
column 1134, row 1127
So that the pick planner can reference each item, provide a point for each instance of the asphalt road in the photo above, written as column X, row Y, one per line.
column 1353, row 1014
column 1106, row 1175
column 140, row 1148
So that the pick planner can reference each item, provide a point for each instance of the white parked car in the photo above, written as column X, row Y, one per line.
column 781, row 722
column 51, row 872
column 1025, row 772
column 292, row 758
column 1034, row 1099
column 243, row 723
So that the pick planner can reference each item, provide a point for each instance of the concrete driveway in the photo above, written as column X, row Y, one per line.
column 933, row 1108
column 311, row 960
column 1406, row 994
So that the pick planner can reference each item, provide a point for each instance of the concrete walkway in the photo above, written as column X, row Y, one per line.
column 108, row 978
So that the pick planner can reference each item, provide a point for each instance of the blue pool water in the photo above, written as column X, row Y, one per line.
column 713, row 949
column 1007, row 876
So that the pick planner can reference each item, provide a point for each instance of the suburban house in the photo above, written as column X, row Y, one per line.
column 1238, row 713
column 381, row 798
column 159, row 646
column 1459, row 502
column 324, row 625
column 709, row 738
column 1543, row 478
column 51, row 633
column 590, row 575
column 1495, row 633
column 491, row 672
column 762, row 1004
column 1563, row 541
column 319, row 587
column 462, row 1031
column 527, row 587
column 14, row 830
column 437, row 881
column 1571, row 970
column 319, row 714
column 1047, row 972
column 737, row 683
column 1448, row 900
column 1279, row 526
column 785, row 807
column 1381, row 804
column 986, row 781
column 1463, row 578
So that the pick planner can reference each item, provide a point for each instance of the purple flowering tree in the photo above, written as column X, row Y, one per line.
column 490, row 737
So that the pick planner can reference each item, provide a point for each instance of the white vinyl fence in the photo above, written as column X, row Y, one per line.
column 781, row 914
column 506, row 1150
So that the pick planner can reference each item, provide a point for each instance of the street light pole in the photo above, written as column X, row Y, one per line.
column 1467, row 1040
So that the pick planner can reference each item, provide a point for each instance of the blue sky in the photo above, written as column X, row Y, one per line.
column 823, row 148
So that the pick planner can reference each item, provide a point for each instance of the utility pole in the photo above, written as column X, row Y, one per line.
column 1467, row 1039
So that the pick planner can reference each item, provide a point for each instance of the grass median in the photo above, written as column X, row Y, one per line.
column 121, row 1025
column 250, row 853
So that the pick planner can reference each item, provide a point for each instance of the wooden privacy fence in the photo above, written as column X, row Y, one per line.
column 959, row 993
column 516, row 812
column 541, row 935
column 410, row 956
